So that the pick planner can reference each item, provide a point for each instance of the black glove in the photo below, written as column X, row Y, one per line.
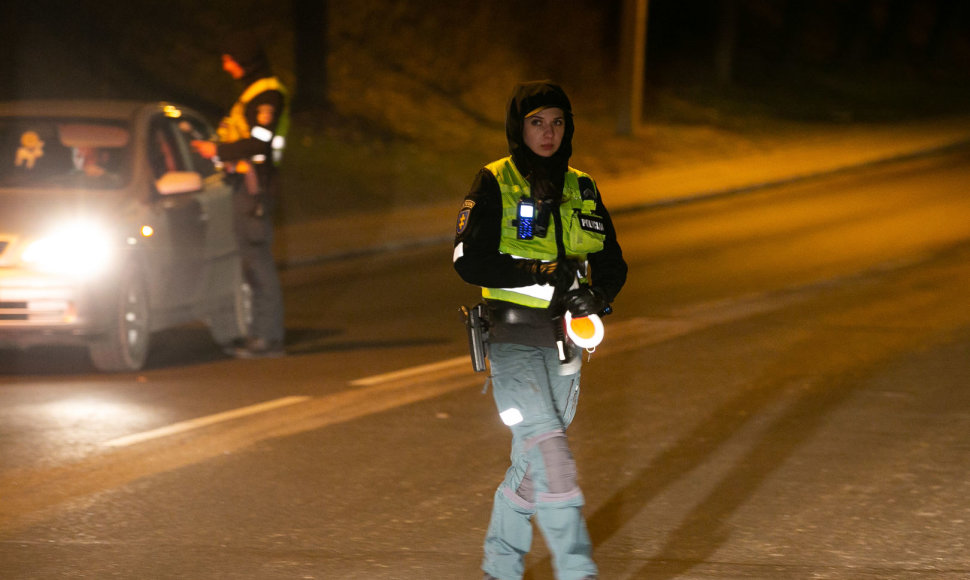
column 560, row 274
column 585, row 301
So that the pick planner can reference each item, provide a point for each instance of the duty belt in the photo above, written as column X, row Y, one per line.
column 507, row 313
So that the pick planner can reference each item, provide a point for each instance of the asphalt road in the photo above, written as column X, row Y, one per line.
column 781, row 394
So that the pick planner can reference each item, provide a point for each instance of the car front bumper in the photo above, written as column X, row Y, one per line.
column 40, row 309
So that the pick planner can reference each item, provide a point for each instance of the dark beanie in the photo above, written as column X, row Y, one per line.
column 245, row 49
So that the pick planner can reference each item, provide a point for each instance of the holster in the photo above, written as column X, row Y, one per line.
column 557, row 312
column 476, row 325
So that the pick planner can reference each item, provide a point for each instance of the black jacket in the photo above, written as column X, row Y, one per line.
column 478, row 261
column 479, row 232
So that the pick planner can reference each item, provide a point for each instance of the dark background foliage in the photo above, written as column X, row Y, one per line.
column 414, row 90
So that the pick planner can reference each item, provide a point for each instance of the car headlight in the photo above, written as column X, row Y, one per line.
column 81, row 249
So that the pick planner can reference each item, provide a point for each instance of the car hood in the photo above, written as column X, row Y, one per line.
column 30, row 213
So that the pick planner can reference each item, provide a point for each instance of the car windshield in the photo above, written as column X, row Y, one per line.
column 82, row 153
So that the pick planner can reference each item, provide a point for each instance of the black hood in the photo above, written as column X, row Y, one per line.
column 247, row 51
column 526, row 98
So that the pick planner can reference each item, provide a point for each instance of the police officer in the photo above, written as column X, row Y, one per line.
column 535, row 235
column 251, row 142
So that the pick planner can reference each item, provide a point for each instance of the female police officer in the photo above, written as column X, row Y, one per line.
column 534, row 234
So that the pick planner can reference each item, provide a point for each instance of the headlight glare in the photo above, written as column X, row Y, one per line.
column 78, row 249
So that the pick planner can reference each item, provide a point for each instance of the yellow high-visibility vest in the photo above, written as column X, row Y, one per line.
column 583, row 230
column 235, row 127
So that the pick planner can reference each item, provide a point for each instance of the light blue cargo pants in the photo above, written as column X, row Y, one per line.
column 536, row 396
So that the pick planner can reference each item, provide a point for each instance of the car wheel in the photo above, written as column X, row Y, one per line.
column 124, row 347
column 231, row 321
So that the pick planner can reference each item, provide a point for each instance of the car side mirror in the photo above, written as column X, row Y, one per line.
column 175, row 182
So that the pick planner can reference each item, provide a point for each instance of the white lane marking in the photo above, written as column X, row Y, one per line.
column 627, row 335
column 412, row 371
column 203, row 421
column 630, row 333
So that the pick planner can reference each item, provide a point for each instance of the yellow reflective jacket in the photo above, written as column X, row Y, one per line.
column 583, row 230
column 235, row 126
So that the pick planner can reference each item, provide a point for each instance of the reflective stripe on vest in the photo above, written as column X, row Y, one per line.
column 235, row 127
column 535, row 296
column 578, row 241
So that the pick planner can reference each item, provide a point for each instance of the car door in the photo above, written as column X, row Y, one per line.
column 220, row 249
column 179, row 244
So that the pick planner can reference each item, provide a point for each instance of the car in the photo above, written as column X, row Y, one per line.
column 113, row 228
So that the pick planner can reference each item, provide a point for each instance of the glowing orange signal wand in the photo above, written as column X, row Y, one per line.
column 584, row 331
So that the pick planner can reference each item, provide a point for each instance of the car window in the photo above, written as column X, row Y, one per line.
column 82, row 153
column 191, row 129
column 164, row 152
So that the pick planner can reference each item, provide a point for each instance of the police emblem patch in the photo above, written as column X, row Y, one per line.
column 462, row 221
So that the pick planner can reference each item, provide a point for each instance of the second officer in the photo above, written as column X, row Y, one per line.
column 251, row 142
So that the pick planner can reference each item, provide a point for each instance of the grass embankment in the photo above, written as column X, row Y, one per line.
column 412, row 145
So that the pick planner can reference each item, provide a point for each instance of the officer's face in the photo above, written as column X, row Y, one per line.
column 232, row 67
column 543, row 131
